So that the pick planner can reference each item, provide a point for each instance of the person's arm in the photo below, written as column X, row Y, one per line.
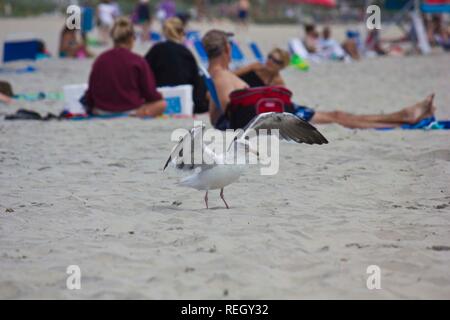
column 155, row 104
column 278, row 81
column 248, row 68
column 223, row 88
column 153, row 109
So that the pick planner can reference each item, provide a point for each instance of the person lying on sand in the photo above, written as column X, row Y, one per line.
column 326, row 47
column 121, row 81
column 218, row 49
column 6, row 92
column 5, row 99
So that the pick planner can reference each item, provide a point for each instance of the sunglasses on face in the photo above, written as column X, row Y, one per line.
column 275, row 60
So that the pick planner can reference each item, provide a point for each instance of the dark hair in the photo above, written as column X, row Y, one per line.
column 309, row 28
column 122, row 31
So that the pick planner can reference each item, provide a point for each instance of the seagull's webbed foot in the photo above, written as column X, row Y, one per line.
column 206, row 200
column 221, row 195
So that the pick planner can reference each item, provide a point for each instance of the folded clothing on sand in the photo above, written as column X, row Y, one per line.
column 23, row 114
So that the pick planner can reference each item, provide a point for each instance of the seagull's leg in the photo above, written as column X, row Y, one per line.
column 221, row 195
column 206, row 200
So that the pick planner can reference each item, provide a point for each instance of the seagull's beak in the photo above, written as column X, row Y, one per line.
column 254, row 151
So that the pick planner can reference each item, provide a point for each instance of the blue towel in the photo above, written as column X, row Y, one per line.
column 422, row 124
column 425, row 124
column 103, row 116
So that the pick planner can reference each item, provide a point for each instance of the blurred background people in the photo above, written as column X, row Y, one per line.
column 107, row 12
column 143, row 18
column 167, row 9
column 243, row 12
column 121, row 81
column 437, row 32
column 6, row 92
column 328, row 47
column 267, row 74
column 72, row 45
column 311, row 39
column 173, row 64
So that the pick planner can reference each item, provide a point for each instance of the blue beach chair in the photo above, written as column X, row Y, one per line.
column 210, row 86
column 198, row 46
column 237, row 56
column 193, row 35
column 443, row 7
column 257, row 52
column 155, row 36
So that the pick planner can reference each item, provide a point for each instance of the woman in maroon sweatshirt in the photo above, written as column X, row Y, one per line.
column 122, row 81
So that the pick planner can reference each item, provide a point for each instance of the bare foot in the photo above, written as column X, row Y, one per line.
column 420, row 110
column 430, row 113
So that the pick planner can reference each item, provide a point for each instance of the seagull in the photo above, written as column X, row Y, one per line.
column 216, row 173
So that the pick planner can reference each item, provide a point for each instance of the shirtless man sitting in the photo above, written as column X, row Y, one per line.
column 218, row 49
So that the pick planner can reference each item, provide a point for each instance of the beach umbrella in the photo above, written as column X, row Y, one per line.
column 325, row 3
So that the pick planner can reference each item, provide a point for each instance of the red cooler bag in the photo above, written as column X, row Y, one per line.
column 247, row 103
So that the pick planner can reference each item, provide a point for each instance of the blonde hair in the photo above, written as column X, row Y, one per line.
column 173, row 29
column 283, row 54
column 122, row 31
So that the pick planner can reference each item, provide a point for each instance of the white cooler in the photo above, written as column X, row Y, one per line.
column 72, row 96
column 179, row 99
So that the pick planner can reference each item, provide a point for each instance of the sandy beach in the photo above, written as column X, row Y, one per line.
column 93, row 194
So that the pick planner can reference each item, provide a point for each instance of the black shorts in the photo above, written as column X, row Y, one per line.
column 243, row 14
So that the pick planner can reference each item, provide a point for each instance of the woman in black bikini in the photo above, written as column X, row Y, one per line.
column 268, row 74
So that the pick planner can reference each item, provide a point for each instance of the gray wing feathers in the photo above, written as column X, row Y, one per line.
column 177, row 156
column 291, row 127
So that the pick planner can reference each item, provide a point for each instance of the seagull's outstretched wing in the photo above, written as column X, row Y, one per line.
column 195, row 138
column 289, row 125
